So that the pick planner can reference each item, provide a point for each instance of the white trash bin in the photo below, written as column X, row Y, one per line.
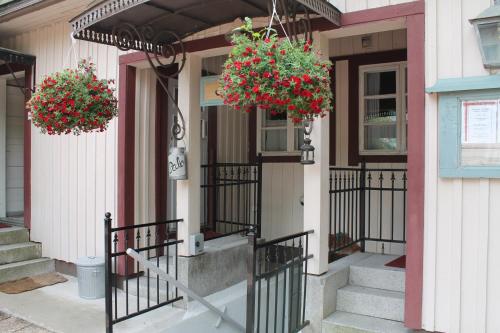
column 90, row 271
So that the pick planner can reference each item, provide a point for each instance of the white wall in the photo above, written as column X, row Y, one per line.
column 14, row 148
column 73, row 178
column 353, row 5
column 461, row 262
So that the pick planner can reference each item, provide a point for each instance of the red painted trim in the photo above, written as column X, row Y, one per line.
column 416, row 174
column 15, row 67
column 28, row 83
column 161, row 153
column 126, row 153
column 383, row 13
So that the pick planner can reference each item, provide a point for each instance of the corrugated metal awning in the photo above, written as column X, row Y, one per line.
column 181, row 17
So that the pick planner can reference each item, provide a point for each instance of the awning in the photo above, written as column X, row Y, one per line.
column 15, row 57
column 182, row 17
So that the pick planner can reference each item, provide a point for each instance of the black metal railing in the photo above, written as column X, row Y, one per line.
column 231, row 198
column 130, row 290
column 366, row 204
column 277, row 283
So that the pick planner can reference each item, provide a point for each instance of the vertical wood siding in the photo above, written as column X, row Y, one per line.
column 461, row 262
column 353, row 5
column 73, row 177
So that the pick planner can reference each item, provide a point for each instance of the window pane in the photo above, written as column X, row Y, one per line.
column 274, row 140
column 380, row 110
column 380, row 83
column 383, row 137
column 298, row 134
column 273, row 120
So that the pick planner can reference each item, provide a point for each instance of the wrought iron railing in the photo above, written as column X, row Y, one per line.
column 277, row 283
column 231, row 198
column 131, row 290
column 366, row 204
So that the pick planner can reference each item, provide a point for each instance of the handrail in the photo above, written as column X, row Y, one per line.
column 151, row 224
column 146, row 263
column 283, row 239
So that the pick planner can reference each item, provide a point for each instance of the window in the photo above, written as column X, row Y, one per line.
column 278, row 135
column 383, row 109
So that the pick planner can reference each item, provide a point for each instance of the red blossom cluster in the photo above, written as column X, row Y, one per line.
column 275, row 75
column 73, row 101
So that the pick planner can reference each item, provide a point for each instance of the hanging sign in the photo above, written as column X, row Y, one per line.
column 177, row 168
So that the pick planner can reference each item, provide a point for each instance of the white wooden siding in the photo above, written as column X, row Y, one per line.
column 14, row 151
column 353, row 5
column 461, row 262
column 73, row 178
column 145, row 111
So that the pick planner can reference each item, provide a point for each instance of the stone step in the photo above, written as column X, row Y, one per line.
column 373, row 273
column 385, row 304
column 18, row 270
column 19, row 252
column 13, row 235
column 344, row 322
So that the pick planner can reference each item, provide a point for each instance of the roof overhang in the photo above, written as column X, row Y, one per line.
column 14, row 57
column 180, row 17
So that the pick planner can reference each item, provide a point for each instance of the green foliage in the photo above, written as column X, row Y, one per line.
column 275, row 75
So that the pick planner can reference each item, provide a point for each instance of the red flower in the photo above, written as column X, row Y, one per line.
column 291, row 107
column 256, row 60
column 256, row 89
column 307, row 79
column 283, row 52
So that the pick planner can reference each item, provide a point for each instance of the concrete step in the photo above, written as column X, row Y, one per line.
column 344, row 322
column 372, row 272
column 19, row 252
column 13, row 235
column 385, row 304
column 18, row 270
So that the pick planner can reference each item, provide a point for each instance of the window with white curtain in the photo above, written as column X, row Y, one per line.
column 277, row 134
column 383, row 100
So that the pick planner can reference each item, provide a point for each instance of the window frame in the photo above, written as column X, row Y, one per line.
column 400, row 67
column 290, row 137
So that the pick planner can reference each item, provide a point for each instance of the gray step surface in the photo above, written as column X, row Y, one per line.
column 143, row 289
column 372, row 272
column 19, row 252
column 13, row 235
column 385, row 304
column 18, row 270
column 344, row 322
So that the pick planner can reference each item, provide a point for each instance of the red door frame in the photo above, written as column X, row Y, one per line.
column 29, row 73
column 414, row 12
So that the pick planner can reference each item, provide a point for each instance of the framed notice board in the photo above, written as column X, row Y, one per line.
column 469, row 128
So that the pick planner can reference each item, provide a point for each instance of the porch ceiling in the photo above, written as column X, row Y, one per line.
column 182, row 17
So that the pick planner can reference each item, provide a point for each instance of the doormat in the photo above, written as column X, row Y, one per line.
column 398, row 263
column 3, row 225
column 31, row 283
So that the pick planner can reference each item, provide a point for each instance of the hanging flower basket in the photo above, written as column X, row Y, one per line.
column 275, row 75
column 73, row 101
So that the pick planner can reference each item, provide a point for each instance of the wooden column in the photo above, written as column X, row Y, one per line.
column 316, row 196
column 188, row 191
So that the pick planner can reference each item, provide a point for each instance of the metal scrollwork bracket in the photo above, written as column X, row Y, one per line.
column 164, row 50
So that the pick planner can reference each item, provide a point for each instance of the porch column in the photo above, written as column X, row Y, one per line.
column 188, row 191
column 316, row 182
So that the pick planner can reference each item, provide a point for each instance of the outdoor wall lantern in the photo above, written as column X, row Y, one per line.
column 487, row 26
column 307, row 150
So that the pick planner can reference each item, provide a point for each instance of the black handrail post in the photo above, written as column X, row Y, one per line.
column 251, row 263
column 107, row 273
column 362, row 208
column 259, row 195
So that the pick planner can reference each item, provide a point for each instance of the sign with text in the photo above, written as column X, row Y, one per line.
column 480, row 122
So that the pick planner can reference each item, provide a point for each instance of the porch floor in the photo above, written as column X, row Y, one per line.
column 58, row 308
